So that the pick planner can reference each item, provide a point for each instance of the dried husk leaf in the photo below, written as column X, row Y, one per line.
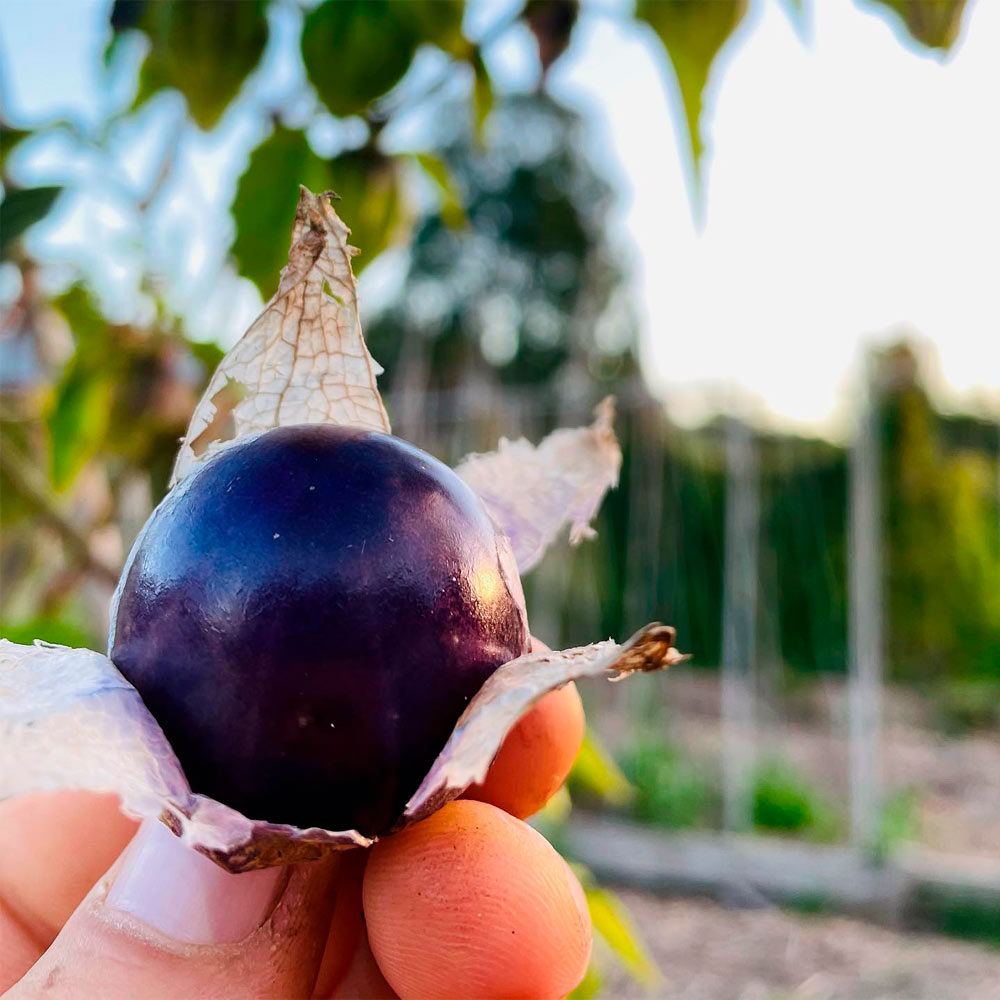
column 69, row 720
column 533, row 491
column 304, row 359
column 512, row 690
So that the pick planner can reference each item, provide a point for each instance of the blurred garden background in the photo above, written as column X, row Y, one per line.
column 768, row 227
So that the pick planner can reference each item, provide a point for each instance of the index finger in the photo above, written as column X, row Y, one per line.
column 536, row 755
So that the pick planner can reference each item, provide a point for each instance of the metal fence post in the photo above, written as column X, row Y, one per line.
column 739, row 623
column 865, row 623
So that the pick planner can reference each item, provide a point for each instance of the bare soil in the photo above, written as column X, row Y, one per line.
column 709, row 952
column 956, row 781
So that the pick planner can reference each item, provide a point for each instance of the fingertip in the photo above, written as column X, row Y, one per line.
column 53, row 848
column 536, row 755
column 474, row 903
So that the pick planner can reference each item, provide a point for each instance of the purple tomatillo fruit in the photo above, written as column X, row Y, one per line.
column 320, row 634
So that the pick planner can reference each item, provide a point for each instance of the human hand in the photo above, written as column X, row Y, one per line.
column 469, row 903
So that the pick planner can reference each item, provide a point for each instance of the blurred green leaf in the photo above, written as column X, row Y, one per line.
column 615, row 924
column 80, row 412
column 9, row 138
column 692, row 33
column 482, row 91
column 590, row 985
column 934, row 23
column 596, row 771
column 205, row 50
column 440, row 22
column 53, row 630
column 21, row 208
column 452, row 211
column 78, row 421
column 356, row 50
column 268, row 192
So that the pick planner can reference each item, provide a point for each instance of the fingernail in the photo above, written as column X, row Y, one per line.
column 184, row 895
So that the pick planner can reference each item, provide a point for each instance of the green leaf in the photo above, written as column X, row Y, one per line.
column 590, row 985
column 934, row 23
column 440, row 22
column 452, row 211
column 615, row 924
column 356, row 50
column 692, row 33
column 596, row 772
column 51, row 628
column 80, row 412
column 268, row 192
column 22, row 208
column 205, row 49
column 482, row 91
column 9, row 138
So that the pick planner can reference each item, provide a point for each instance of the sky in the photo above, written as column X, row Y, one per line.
column 850, row 192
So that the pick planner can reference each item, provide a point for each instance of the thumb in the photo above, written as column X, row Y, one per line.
column 167, row 922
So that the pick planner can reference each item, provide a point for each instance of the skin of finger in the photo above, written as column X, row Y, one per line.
column 473, row 903
column 102, row 952
column 346, row 926
column 53, row 849
column 363, row 979
column 536, row 755
column 19, row 948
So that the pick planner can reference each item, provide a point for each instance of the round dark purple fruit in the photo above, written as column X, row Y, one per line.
column 308, row 614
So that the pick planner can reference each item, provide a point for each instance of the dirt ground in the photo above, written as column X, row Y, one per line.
column 956, row 781
column 709, row 952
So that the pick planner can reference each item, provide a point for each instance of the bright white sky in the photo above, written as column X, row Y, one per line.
column 852, row 191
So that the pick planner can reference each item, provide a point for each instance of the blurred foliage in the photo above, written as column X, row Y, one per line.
column 374, row 42
column 672, row 791
column 597, row 775
column 264, row 211
column 898, row 822
column 205, row 50
column 23, row 207
column 967, row 704
column 934, row 23
column 617, row 931
column 961, row 912
column 692, row 34
column 783, row 801
column 941, row 535
column 523, row 281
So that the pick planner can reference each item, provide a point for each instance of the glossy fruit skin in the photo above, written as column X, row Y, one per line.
column 307, row 615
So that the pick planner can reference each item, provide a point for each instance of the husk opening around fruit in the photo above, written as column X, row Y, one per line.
column 69, row 720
